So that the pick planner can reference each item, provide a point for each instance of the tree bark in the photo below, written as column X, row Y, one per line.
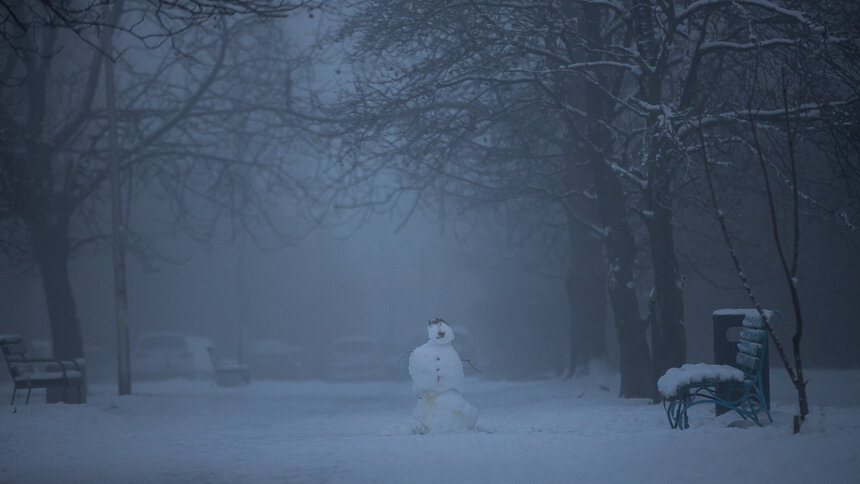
column 117, row 224
column 52, row 255
column 586, row 296
column 637, row 378
column 668, row 334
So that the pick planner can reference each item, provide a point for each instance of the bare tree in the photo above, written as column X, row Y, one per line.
column 787, row 129
column 441, row 86
column 153, row 22
column 483, row 105
column 790, row 267
column 117, row 225
column 205, row 133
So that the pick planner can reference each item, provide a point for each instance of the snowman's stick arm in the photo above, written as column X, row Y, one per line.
column 473, row 366
column 405, row 355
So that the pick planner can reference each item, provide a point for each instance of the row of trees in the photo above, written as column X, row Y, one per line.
column 191, row 103
column 595, row 116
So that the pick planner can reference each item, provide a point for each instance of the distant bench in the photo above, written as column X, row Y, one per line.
column 33, row 373
column 740, row 389
column 229, row 372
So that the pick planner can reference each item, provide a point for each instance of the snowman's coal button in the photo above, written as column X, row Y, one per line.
column 437, row 358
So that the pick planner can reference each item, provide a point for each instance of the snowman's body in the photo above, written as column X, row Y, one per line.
column 437, row 377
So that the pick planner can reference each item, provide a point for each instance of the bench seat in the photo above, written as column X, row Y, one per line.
column 677, row 378
column 737, row 388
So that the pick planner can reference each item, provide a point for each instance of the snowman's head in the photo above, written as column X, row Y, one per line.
column 439, row 332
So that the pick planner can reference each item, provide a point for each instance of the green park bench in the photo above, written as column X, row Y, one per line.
column 741, row 388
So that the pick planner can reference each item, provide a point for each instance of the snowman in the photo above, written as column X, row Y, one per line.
column 437, row 377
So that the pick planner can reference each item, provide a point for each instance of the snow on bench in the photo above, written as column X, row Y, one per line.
column 752, row 319
column 740, row 389
column 47, row 375
column 32, row 373
column 675, row 378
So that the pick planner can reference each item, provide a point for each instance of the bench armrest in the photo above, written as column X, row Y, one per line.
column 71, row 364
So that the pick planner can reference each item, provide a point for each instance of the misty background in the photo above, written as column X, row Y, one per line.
column 385, row 284
column 372, row 282
column 492, row 265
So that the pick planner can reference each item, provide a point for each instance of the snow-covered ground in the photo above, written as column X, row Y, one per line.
column 528, row 432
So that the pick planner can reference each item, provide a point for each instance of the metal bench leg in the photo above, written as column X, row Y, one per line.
column 27, row 401
column 676, row 410
column 767, row 412
column 14, row 389
column 683, row 421
column 672, row 412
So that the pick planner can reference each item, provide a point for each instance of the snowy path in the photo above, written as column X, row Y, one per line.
column 550, row 431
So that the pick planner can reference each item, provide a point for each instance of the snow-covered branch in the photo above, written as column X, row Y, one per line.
column 628, row 175
column 803, row 112
column 713, row 46
column 767, row 5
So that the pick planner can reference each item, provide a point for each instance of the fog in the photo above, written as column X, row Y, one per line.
column 332, row 285
column 383, row 281
column 350, row 173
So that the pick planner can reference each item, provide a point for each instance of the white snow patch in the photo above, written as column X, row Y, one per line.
column 310, row 431
column 752, row 318
column 675, row 378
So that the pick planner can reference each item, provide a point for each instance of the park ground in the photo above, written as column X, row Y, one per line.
column 574, row 430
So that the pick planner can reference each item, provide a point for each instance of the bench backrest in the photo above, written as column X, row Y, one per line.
column 13, row 346
column 752, row 347
column 14, row 352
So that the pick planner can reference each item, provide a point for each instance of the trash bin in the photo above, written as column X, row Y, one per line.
column 727, row 328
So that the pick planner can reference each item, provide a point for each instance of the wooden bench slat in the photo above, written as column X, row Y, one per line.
column 14, row 349
column 746, row 360
column 48, row 375
column 756, row 335
column 750, row 348
column 10, row 339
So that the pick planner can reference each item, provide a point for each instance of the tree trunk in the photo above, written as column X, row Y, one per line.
column 52, row 256
column 117, row 224
column 668, row 335
column 586, row 296
column 637, row 378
